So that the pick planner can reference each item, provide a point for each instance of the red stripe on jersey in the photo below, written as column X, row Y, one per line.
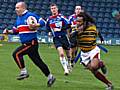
column 74, row 23
column 23, row 28
column 52, row 25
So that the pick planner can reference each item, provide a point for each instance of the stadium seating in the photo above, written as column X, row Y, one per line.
column 99, row 9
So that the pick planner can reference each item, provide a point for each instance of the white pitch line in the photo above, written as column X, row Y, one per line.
column 75, row 81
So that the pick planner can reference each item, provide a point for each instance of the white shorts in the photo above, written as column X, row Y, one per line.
column 88, row 56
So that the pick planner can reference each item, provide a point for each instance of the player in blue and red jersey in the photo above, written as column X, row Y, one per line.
column 72, row 36
column 57, row 24
column 26, row 26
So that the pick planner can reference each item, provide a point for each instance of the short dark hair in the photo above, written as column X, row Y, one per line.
column 53, row 4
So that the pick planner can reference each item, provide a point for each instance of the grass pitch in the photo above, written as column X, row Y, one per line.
column 79, row 79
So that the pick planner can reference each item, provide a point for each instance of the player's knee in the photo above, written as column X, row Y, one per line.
column 14, row 54
column 92, row 66
column 61, row 55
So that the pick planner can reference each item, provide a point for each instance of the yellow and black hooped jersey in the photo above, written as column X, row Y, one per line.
column 87, row 39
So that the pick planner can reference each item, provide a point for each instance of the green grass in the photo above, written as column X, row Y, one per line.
column 79, row 79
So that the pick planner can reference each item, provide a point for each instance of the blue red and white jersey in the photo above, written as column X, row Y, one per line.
column 72, row 21
column 21, row 26
column 55, row 24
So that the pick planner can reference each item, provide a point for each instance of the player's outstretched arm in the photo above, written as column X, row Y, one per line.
column 6, row 31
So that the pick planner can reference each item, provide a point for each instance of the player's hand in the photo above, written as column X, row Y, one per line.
column 5, row 31
column 33, row 26
column 102, row 40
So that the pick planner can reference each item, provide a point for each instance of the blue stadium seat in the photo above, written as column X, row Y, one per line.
column 116, row 31
column 100, row 20
column 108, row 10
column 117, row 26
column 71, row 3
column 106, row 20
column 1, row 16
column 89, row 9
column 104, row 25
column 102, row 4
column 99, row 24
column 7, row 16
column 59, row 2
column 100, row 14
column 111, row 31
column 9, row 10
column 45, row 2
column 90, row 4
column 70, row 8
column 95, row 9
column 96, row 4
column 102, row 10
column 111, row 25
column 4, row 5
column 65, row 3
column 44, row 7
column 99, row 9
column 104, row 30
column 116, row 36
column 109, row 36
column 94, row 14
column 3, row 10
column 104, row 35
column 64, row 8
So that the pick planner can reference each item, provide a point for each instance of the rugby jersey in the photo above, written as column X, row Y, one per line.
column 87, row 38
column 57, row 25
column 21, row 26
column 72, row 21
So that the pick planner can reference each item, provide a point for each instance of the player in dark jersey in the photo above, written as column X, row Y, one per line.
column 57, row 24
column 72, row 36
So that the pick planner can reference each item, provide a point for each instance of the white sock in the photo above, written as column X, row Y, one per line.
column 23, row 71
column 64, row 63
column 50, row 76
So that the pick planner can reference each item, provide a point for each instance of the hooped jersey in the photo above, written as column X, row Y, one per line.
column 87, row 38
column 21, row 26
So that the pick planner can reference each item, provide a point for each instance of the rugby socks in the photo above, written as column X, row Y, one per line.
column 64, row 63
column 101, row 64
column 23, row 71
column 101, row 77
column 50, row 76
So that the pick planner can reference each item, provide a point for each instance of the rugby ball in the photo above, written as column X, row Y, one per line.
column 31, row 20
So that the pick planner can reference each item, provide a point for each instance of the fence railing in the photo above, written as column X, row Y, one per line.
column 47, row 39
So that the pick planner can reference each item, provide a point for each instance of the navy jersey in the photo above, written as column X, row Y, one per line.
column 72, row 21
column 55, row 24
column 21, row 26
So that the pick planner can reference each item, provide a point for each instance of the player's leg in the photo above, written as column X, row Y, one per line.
column 66, row 46
column 73, row 50
column 91, row 60
column 63, row 60
column 68, row 60
column 34, row 55
column 74, row 53
column 103, row 67
column 18, row 57
column 93, row 67
column 59, row 46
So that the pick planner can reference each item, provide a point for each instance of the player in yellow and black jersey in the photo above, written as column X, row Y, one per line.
column 90, row 52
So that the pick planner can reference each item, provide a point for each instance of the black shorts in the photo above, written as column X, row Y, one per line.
column 73, row 40
column 61, row 41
